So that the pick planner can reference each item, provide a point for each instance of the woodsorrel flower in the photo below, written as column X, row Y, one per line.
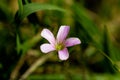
column 60, row 43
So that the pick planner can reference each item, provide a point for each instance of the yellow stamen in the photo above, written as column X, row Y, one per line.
column 59, row 46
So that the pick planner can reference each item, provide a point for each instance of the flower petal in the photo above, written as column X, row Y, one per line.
column 62, row 33
column 63, row 54
column 45, row 48
column 72, row 41
column 47, row 34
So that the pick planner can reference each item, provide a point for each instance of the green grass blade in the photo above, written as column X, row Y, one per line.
column 20, row 7
column 34, row 7
column 18, row 44
column 89, row 27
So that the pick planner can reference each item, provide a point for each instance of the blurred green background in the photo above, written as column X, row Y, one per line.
column 95, row 22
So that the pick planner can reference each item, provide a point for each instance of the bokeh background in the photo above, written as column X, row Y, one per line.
column 95, row 22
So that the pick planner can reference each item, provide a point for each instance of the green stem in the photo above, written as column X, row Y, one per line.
column 35, row 65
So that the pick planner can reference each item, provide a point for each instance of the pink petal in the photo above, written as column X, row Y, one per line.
column 47, row 34
column 63, row 54
column 72, row 41
column 62, row 33
column 45, row 48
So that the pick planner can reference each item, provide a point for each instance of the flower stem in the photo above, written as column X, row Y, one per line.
column 33, row 67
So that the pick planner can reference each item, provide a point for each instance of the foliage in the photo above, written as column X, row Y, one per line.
column 95, row 23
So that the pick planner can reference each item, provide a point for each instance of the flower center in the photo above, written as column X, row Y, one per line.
column 59, row 46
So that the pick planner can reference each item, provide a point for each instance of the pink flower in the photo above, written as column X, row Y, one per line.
column 60, row 43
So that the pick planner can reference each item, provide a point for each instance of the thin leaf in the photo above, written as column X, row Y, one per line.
column 20, row 7
column 88, row 25
column 18, row 44
column 34, row 7
column 30, row 43
column 91, row 30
